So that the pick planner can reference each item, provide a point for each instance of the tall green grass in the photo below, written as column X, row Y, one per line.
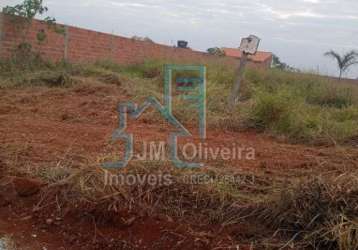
column 304, row 108
column 301, row 107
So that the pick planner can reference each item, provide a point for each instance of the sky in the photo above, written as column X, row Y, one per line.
column 298, row 31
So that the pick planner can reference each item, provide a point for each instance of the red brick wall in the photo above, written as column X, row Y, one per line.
column 12, row 36
column 261, row 65
column 81, row 45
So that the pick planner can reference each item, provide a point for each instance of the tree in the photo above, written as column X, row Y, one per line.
column 216, row 51
column 343, row 61
column 143, row 39
column 27, row 11
column 278, row 64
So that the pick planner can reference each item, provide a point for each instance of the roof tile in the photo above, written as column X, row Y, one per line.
column 260, row 56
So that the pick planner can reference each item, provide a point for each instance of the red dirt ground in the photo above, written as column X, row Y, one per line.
column 48, row 126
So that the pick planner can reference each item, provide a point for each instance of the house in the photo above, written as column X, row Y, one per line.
column 261, row 60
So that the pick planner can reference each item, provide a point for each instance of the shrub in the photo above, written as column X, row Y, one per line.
column 329, row 96
column 271, row 111
column 301, row 107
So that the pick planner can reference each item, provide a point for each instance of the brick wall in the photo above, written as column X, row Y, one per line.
column 1, row 25
column 12, row 36
column 81, row 45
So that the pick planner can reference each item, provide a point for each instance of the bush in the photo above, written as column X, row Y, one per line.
column 272, row 111
column 329, row 96
column 303, row 108
column 315, row 89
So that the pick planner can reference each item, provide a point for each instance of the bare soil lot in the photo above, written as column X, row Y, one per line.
column 44, row 128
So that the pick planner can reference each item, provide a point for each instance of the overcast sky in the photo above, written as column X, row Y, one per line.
column 298, row 31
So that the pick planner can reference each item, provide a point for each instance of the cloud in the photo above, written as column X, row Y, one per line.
column 299, row 25
column 312, row 1
column 287, row 14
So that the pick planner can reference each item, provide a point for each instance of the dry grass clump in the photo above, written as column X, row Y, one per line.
column 321, row 213
column 200, row 196
column 318, row 214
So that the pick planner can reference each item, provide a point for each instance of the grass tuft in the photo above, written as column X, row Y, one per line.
column 321, row 213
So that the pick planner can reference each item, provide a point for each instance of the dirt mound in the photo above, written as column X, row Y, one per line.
column 13, row 187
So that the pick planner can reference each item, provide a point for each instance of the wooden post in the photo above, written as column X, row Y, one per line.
column 65, row 53
column 233, row 98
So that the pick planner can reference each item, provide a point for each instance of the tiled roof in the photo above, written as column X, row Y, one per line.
column 260, row 56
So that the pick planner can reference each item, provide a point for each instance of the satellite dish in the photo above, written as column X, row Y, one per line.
column 249, row 45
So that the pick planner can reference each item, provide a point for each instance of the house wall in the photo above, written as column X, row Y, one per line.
column 261, row 65
column 81, row 45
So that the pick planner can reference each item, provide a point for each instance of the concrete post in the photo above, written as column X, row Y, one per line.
column 233, row 98
column 67, row 35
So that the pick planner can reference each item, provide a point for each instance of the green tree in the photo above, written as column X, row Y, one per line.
column 343, row 61
column 143, row 39
column 278, row 64
column 23, row 14
column 216, row 51
column 28, row 9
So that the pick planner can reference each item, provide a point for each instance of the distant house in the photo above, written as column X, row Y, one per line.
column 261, row 59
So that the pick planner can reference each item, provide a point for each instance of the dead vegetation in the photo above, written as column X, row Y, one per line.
column 321, row 213
column 200, row 196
